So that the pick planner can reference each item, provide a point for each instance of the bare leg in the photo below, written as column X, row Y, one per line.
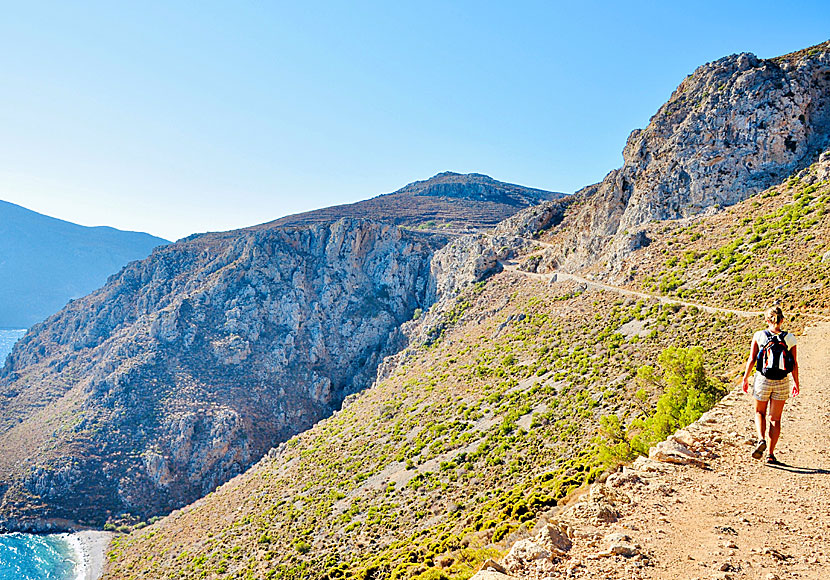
column 775, row 410
column 761, row 419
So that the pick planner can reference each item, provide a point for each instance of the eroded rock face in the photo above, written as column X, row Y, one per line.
column 189, row 366
column 731, row 129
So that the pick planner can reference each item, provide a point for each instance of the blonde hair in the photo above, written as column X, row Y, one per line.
column 774, row 315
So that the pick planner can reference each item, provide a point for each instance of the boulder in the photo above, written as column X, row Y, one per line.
column 673, row 452
column 528, row 557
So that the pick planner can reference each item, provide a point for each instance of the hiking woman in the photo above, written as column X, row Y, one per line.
column 770, row 356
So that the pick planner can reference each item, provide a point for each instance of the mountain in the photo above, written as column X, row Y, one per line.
column 448, row 199
column 490, row 422
column 732, row 128
column 443, row 394
column 188, row 366
column 44, row 262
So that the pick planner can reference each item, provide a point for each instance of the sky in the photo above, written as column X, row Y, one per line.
column 182, row 117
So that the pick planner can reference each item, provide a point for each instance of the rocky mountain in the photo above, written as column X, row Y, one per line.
column 732, row 128
column 499, row 400
column 448, row 199
column 44, row 262
column 190, row 365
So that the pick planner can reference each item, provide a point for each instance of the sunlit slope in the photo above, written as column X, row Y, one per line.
column 473, row 435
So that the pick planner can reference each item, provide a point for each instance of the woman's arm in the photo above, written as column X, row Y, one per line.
column 750, row 364
column 796, row 388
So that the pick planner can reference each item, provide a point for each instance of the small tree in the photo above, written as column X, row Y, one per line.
column 687, row 393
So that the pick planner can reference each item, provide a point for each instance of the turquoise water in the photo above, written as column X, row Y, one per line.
column 7, row 339
column 27, row 557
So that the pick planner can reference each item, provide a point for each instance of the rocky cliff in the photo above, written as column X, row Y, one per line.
column 188, row 366
column 732, row 128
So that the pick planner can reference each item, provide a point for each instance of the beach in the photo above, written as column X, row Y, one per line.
column 91, row 547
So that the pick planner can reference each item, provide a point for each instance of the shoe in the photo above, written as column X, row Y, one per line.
column 771, row 460
column 759, row 449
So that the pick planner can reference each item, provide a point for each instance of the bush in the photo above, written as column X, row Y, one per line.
column 687, row 393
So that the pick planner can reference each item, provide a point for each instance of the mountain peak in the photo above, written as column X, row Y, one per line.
column 459, row 199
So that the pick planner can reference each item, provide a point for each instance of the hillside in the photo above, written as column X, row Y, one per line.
column 510, row 388
column 190, row 365
column 699, row 521
column 45, row 262
column 480, row 429
column 504, row 402
column 448, row 200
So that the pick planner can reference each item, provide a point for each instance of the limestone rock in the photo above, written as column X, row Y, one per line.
column 554, row 538
column 673, row 452
column 732, row 128
column 598, row 507
column 618, row 544
column 195, row 362
column 491, row 565
column 528, row 557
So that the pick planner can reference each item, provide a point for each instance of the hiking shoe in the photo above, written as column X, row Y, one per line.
column 771, row 460
column 759, row 449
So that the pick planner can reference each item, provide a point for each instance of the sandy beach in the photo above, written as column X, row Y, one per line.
column 91, row 547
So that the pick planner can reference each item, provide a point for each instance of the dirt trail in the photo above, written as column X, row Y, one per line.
column 737, row 517
column 559, row 275
column 744, row 516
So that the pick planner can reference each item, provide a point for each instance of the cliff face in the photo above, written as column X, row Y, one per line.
column 731, row 129
column 188, row 366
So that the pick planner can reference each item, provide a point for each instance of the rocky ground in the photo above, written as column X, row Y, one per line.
column 722, row 515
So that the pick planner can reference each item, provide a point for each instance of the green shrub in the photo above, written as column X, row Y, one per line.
column 687, row 393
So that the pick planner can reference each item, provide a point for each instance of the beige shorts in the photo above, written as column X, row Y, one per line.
column 766, row 389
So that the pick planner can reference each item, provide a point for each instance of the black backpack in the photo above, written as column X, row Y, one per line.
column 775, row 361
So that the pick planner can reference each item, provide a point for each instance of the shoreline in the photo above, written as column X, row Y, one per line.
column 91, row 549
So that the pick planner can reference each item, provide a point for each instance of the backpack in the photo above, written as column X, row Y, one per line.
column 775, row 361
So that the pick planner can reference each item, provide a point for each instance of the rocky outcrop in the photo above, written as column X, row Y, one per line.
column 731, row 129
column 189, row 366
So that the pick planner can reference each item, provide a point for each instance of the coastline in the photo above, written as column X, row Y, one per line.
column 91, row 549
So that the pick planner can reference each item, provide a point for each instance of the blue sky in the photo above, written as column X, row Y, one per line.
column 174, row 118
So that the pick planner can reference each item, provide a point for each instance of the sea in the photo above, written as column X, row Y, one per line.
column 8, row 336
column 28, row 557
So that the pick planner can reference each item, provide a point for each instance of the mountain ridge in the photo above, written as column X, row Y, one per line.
column 45, row 261
column 437, row 199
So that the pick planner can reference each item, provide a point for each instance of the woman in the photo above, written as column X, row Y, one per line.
column 769, row 390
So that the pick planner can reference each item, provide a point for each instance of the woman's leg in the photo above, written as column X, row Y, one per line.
column 761, row 418
column 775, row 410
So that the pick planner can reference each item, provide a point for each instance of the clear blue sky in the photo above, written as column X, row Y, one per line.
column 178, row 117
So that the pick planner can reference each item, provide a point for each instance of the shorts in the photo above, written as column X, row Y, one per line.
column 766, row 389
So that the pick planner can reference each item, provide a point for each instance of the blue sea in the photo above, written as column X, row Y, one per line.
column 28, row 557
column 7, row 339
